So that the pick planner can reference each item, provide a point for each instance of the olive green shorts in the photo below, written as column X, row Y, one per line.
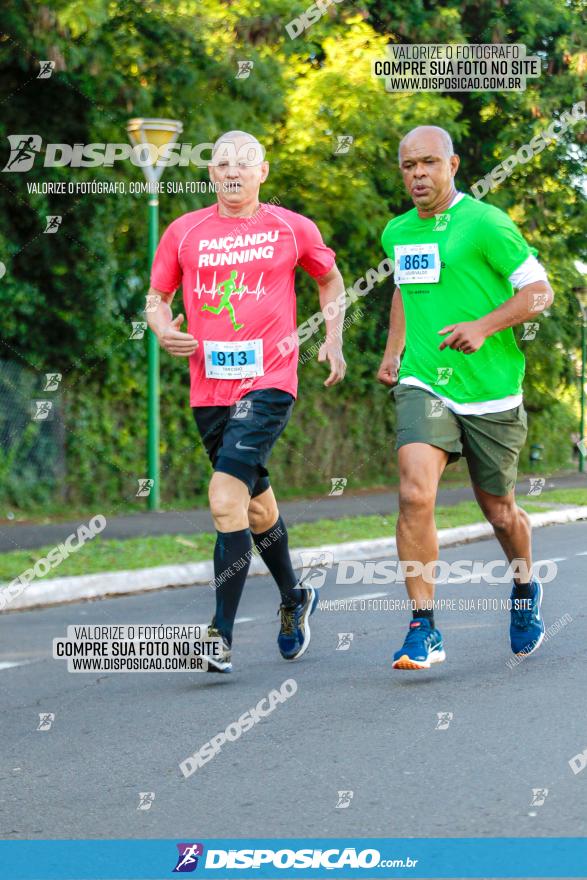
column 491, row 443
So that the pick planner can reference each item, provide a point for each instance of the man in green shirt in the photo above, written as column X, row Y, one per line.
column 465, row 276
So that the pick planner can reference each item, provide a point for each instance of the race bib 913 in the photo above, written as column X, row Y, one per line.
column 233, row 360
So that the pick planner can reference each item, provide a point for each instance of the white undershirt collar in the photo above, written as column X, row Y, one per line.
column 456, row 200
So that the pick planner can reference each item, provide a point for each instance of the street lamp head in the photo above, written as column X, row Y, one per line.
column 156, row 132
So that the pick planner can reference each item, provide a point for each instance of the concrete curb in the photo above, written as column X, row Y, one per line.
column 121, row 583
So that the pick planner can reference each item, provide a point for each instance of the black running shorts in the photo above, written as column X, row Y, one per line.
column 239, row 438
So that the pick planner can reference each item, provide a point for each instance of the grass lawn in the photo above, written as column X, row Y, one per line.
column 102, row 555
column 576, row 497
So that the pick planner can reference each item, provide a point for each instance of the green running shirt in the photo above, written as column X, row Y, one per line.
column 478, row 247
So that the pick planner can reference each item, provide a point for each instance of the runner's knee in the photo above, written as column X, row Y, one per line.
column 225, row 506
column 262, row 514
column 415, row 497
column 500, row 516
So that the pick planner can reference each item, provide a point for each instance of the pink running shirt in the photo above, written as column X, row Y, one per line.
column 238, row 286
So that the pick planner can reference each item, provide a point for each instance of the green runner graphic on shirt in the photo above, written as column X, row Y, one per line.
column 227, row 287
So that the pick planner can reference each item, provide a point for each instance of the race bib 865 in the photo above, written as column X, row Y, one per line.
column 416, row 263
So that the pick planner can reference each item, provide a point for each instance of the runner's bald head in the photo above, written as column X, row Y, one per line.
column 238, row 168
column 428, row 165
column 239, row 144
column 433, row 134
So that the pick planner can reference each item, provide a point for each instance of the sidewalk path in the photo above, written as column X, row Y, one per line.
column 368, row 503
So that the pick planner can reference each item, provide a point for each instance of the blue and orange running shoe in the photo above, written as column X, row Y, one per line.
column 422, row 647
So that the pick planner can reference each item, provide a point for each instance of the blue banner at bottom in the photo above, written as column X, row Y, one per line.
column 223, row 859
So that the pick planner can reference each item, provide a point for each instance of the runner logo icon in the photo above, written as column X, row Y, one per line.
column 189, row 854
column 23, row 150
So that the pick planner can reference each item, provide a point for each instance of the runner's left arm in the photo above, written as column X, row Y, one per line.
column 331, row 290
column 505, row 249
column 525, row 305
column 318, row 260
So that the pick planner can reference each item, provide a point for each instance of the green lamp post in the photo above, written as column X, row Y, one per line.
column 160, row 133
column 581, row 294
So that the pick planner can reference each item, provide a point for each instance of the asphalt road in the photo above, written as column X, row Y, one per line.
column 354, row 724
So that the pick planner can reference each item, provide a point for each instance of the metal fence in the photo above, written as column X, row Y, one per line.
column 32, row 448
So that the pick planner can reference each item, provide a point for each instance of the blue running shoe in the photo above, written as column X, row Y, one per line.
column 527, row 625
column 422, row 647
column 294, row 633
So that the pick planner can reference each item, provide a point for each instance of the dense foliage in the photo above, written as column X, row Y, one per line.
column 68, row 299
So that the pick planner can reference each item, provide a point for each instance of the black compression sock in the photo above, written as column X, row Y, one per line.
column 274, row 550
column 232, row 558
column 429, row 615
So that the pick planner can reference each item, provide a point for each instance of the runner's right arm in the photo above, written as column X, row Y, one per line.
column 165, row 327
column 396, row 341
column 166, row 277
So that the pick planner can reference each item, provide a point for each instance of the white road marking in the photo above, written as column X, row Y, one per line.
column 7, row 664
column 464, row 579
column 238, row 620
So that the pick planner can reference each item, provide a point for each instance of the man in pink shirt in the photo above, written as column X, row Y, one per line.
column 236, row 262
